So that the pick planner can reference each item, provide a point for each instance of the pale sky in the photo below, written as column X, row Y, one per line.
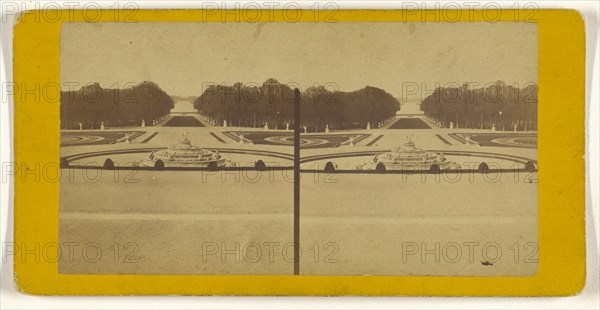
column 180, row 57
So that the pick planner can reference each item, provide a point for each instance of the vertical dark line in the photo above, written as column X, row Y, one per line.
column 296, row 181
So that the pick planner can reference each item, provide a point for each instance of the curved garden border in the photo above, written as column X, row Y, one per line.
column 65, row 161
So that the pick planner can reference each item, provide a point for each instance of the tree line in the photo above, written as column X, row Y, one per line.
column 501, row 106
column 272, row 103
column 92, row 105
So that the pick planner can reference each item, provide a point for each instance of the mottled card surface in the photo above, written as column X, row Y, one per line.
column 384, row 148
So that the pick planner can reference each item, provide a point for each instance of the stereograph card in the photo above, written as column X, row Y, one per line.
column 341, row 153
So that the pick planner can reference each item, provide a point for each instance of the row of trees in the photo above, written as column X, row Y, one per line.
column 497, row 105
column 273, row 103
column 92, row 105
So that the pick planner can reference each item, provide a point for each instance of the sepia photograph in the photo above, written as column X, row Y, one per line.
column 347, row 148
